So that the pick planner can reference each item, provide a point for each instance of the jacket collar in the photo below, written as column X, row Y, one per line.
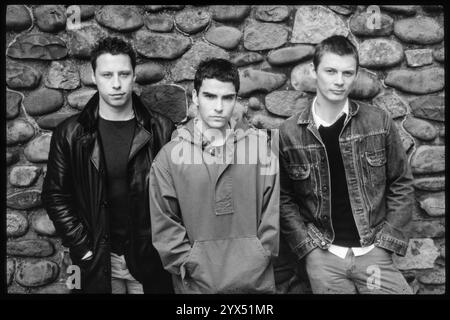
column 89, row 116
column 306, row 116
column 89, row 120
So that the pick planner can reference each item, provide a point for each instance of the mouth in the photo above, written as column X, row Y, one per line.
column 338, row 92
column 117, row 95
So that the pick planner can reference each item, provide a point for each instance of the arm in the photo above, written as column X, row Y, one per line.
column 292, row 224
column 57, row 197
column 269, row 227
column 169, row 235
column 399, row 194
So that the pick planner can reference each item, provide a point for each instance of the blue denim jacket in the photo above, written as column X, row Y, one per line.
column 379, row 181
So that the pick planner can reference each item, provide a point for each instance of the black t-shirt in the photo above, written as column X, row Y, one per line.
column 116, row 137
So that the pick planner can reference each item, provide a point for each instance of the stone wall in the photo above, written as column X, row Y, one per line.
column 48, row 79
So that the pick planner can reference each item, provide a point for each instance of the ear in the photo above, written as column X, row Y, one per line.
column 93, row 77
column 312, row 71
column 194, row 97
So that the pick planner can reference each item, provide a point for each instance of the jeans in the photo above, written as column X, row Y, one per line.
column 371, row 273
column 122, row 281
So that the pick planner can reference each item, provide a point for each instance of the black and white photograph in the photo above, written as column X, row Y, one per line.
column 286, row 151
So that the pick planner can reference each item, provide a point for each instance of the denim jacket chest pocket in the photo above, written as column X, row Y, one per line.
column 303, row 179
column 376, row 167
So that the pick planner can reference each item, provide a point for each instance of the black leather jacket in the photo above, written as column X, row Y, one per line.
column 74, row 195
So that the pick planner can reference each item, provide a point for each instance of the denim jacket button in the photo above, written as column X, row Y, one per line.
column 323, row 243
column 325, row 188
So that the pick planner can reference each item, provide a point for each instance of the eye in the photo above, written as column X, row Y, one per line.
column 106, row 75
column 348, row 73
column 228, row 98
column 125, row 74
column 330, row 71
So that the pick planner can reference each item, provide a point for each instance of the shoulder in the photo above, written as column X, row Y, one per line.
column 69, row 128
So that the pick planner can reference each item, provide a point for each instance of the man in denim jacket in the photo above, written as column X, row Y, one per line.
column 346, row 185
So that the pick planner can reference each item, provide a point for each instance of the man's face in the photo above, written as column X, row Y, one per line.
column 114, row 77
column 335, row 76
column 216, row 101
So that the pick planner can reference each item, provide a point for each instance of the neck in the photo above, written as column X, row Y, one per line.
column 216, row 135
column 328, row 110
column 116, row 114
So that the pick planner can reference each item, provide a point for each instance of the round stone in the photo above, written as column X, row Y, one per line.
column 254, row 103
column 43, row 101
column 247, row 58
column 289, row 55
column 421, row 81
column 406, row 10
column 37, row 46
column 286, row 103
column 149, row 72
column 420, row 30
column 13, row 101
column 360, row 26
column 439, row 54
column 156, row 8
column 192, row 21
column 430, row 184
column 12, row 157
column 434, row 277
column 391, row 103
column 35, row 274
column 366, row 85
column 380, row 53
column 24, row 176
column 87, row 11
column 421, row 254
column 37, row 149
column 51, row 121
column 224, row 37
column 24, row 200
column 427, row 228
column 428, row 160
column 30, row 248
column 420, row 129
column 16, row 223
column 50, row 18
column 185, row 67
column 419, row 57
column 429, row 107
column 301, row 78
column 255, row 80
column 345, row 10
column 159, row 23
column 21, row 76
column 53, row 288
column 263, row 36
column 272, row 13
column 434, row 205
column 78, row 99
column 62, row 75
column 169, row 100
column 227, row 13
column 405, row 138
column 82, row 41
column 42, row 224
column 18, row 131
column 313, row 24
column 162, row 46
column 86, row 74
column 17, row 18
column 10, row 270
column 264, row 121
column 119, row 18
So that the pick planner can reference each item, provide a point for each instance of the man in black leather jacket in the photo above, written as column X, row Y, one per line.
column 96, row 187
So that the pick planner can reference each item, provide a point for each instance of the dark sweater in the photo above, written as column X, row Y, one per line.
column 116, row 137
column 346, row 233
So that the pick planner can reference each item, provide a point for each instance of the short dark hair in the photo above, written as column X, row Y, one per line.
column 339, row 45
column 219, row 69
column 114, row 46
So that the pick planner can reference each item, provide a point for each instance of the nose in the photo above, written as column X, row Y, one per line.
column 339, row 79
column 218, row 106
column 116, row 82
